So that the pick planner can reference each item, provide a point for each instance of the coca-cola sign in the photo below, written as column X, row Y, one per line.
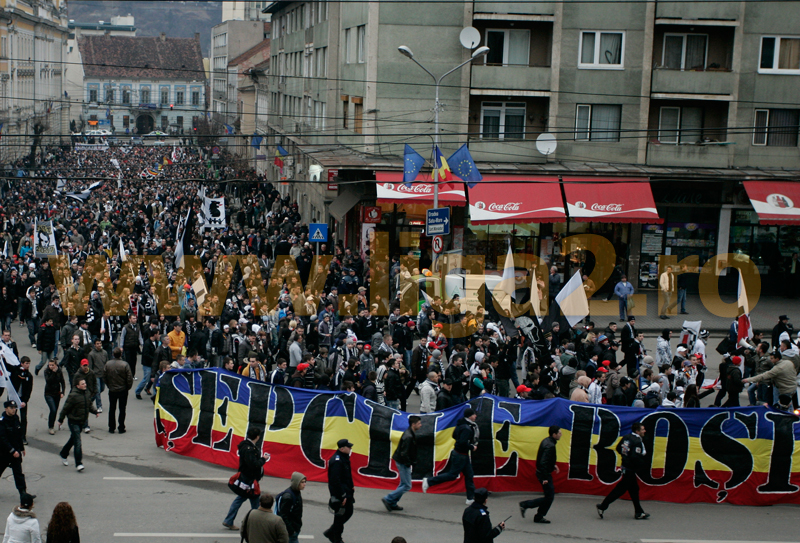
column 607, row 208
column 510, row 206
column 416, row 189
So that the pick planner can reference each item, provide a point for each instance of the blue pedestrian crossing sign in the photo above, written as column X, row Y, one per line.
column 318, row 232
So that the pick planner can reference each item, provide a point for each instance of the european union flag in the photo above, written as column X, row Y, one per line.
column 462, row 165
column 256, row 141
column 412, row 163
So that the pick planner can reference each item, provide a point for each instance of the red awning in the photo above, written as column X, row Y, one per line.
column 592, row 199
column 391, row 189
column 775, row 201
column 502, row 199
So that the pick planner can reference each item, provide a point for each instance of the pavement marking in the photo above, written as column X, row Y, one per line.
column 702, row 541
column 216, row 536
column 166, row 478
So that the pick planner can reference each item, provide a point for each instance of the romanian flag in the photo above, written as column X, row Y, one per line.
column 280, row 152
column 440, row 163
column 167, row 162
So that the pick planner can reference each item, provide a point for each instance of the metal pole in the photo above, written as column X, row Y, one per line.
column 435, row 148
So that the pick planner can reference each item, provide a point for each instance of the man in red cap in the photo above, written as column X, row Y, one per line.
column 733, row 383
column 522, row 392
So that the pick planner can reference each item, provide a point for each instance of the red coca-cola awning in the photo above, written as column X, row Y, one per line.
column 391, row 189
column 775, row 202
column 592, row 199
column 502, row 199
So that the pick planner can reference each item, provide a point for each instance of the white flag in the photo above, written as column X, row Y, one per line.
column 8, row 354
column 5, row 382
column 5, row 250
column 199, row 288
column 179, row 233
column 572, row 300
column 122, row 256
column 44, row 239
column 741, row 301
column 214, row 213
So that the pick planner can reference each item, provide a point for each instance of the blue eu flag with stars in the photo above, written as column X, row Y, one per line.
column 463, row 167
column 412, row 162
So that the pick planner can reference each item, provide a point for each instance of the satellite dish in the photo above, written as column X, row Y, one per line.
column 470, row 37
column 546, row 143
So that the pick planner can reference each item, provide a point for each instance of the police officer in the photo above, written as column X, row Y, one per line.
column 477, row 525
column 340, row 486
column 12, row 448
column 631, row 448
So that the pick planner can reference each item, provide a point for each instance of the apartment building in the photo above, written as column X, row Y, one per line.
column 679, row 107
column 33, row 39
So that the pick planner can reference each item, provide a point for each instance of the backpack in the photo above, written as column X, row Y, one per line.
column 245, row 536
column 651, row 400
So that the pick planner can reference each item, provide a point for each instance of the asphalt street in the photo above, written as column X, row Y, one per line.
column 132, row 491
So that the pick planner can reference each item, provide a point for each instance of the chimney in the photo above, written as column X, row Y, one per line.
column 163, row 37
column 197, row 36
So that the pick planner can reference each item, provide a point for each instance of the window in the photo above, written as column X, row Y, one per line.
column 503, row 120
column 109, row 96
column 179, row 98
column 126, row 121
column 93, row 95
column 164, row 123
column 358, row 115
column 508, row 47
column 684, row 51
column 164, row 96
column 145, row 96
column 362, row 37
column 597, row 122
column 195, row 98
column 780, row 54
column 322, row 58
column 126, row 96
column 602, row 50
column 349, row 46
column 680, row 125
column 776, row 127
column 179, row 121
column 345, row 110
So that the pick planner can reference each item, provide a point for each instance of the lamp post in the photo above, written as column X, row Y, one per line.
column 405, row 51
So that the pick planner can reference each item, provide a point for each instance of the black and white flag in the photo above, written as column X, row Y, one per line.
column 44, row 239
column 214, row 213
column 85, row 194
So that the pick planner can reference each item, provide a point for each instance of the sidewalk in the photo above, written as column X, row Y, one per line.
column 763, row 315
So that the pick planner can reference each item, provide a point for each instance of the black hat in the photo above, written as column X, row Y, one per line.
column 449, row 381
column 631, row 318
column 784, row 399
column 783, row 318
column 10, row 403
column 481, row 495
column 468, row 412
column 344, row 443
column 25, row 500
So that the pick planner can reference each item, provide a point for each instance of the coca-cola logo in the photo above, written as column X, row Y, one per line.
column 416, row 189
column 388, row 186
column 480, row 205
column 607, row 207
column 780, row 201
column 510, row 206
column 580, row 205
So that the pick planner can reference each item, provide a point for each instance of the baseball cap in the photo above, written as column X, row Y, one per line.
column 411, row 324
column 523, row 388
column 367, row 347
column 84, row 362
column 344, row 443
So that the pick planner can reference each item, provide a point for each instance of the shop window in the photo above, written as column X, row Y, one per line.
column 164, row 123
column 680, row 125
column 594, row 122
column 126, row 121
column 684, row 51
column 503, row 120
column 508, row 47
column 776, row 127
column 780, row 55
column 602, row 50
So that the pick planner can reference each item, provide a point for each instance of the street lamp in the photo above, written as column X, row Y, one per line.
column 407, row 52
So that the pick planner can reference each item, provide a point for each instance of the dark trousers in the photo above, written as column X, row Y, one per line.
column 545, row 501
column 113, row 399
column 16, row 467
column 630, row 484
column 75, row 429
column 631, row 363
column 52, row 404
column 23, row 420
column 130, row 358
column 459, row 463
column 339, row 519
column 733, row 400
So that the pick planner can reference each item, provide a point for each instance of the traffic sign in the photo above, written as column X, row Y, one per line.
column 318, row 232
column 437, row 222
column 438, row 244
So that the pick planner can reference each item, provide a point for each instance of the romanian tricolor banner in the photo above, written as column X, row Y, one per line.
column 743, row 456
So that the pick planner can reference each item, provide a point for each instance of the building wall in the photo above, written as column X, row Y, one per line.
column 229, row 40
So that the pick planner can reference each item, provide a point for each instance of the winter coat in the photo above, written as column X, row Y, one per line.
column 46, row 342
column 22, row 527
column 118, row 376
column 54, row 383
column 427, row 394
column 77, row 407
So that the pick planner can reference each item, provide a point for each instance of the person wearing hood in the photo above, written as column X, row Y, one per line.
column 663, row 349
column 22, row 525
column 428, row 392
column 466, row 435
column 289, row 506
column 580, row 394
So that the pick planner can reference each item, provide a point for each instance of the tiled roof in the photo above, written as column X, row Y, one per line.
column 127, row 57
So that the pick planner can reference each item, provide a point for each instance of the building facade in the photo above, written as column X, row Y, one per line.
column 33, row 40
column 691, row 99
column 244, row 10
column 134, row 85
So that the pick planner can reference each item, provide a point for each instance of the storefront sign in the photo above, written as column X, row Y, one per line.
column 371, row 214
column 739, row 456
column 332, row 174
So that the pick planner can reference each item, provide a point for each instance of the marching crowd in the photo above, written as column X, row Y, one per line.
column 287, row 317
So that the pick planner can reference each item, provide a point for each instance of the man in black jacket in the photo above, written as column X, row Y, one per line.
column 405, row 456
column 289, row 506
column 251, row 469
column 632, row 450
column 466, row 435
column 12, row 447
column 629, row 345
column 545, row 466
column 148, row 354
column 445, row 399
column 22, row 381
column 477, row 524
column 340, row 486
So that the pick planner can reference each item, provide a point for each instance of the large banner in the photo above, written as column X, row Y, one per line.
column 742, row 456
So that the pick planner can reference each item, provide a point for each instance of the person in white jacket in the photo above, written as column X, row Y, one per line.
column 427, row 394
column 595, row 390
column 22, row 526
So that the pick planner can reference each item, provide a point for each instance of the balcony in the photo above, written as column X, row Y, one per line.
column 692, row 82
column 521, row 151
column 714, row 155
column 692, row 10
column 520, row 8
column 521, row 78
